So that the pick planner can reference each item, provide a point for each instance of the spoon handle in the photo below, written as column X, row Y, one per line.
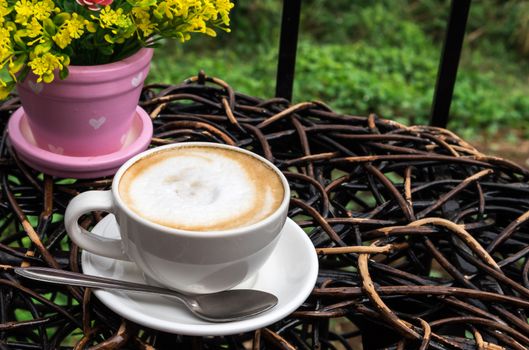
column 78, row 279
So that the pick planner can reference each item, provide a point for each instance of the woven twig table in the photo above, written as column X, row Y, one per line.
column 422, row 240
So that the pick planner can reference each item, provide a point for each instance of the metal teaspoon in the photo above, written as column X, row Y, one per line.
column 225, row 306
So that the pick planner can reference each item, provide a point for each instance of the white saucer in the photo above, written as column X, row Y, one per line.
column 290, row 274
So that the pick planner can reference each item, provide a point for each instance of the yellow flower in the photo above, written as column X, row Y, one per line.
column 209, row 10
column 109, row 18
column 197, row 24
column 34, row 28
column 6, row 47
column 196, row 15
column 162, row 10
column 72, row 28
column 4, row 10
column 75, row 26
column 62, row 38
column 37, row 35
column 24, row 10
column 43, row 9
column 120, row 25
column 39, row 9
column 177, row 8
column 224, row 7
column 4, row 90
column 45, row 65
column 140, row 14
column 143, row 21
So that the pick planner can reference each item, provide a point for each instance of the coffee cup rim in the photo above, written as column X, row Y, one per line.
column 283, row 207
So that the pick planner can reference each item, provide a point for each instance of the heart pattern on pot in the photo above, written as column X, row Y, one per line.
column 96, row 123
column 56, row 149
column 137, row 80
column 35, row 87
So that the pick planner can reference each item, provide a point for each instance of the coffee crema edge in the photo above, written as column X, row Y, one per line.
column 263, row 173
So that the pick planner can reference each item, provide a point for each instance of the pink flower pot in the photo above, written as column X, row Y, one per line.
column 89, row 112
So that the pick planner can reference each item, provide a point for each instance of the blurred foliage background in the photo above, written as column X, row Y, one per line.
column 378, row 56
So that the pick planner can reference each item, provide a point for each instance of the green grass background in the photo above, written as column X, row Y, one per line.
column 374, row 56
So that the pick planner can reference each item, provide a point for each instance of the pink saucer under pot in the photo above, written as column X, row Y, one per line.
column 136, row 140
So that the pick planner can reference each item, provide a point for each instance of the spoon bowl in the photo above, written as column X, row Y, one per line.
column 226, row 306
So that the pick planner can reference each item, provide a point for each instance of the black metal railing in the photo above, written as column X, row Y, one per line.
column 288, row 44
column 446, row 74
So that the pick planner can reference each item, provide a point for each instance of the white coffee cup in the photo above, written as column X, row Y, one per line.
column 190, row 261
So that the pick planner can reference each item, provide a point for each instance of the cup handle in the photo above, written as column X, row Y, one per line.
column 83, row 204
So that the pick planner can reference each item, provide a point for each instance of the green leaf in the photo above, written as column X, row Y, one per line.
column 63, row 73
column 17, row 38
column 106, row 50
column 49, row 26
column 61, row 18
column 141, row 3
column 41, row 49
column 16, row 65
column 109, row 38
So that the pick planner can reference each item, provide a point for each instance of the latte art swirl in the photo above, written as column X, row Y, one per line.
column 201, row 188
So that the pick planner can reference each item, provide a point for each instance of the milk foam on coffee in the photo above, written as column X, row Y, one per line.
column 200, row 188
